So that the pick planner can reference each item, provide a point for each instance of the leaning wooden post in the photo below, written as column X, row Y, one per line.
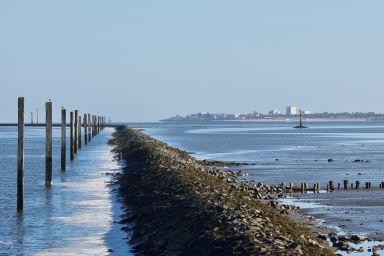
column 20, row 155
column 85, row 129
column 76, row 130
column 63, row 137
column 72, row 128
column 79, row 132
column 48, row 143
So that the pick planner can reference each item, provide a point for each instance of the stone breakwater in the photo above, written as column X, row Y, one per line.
column 179, row 206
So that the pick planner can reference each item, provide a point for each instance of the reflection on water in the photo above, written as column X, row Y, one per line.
column 75, row 216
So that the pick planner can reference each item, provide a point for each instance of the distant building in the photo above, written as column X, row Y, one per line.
column 306, row 112
column 274, row 112
column 292, row 111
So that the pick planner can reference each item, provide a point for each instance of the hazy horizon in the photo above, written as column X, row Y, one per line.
column 146, row 61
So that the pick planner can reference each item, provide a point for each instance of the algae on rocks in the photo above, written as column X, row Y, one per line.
column 179, row 206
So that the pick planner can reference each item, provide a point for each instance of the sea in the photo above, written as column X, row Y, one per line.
column 278, row 153
column 79, row 213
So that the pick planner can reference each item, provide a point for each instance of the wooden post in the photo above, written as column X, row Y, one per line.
column 76, row 130
column 302, row 187
column 318, row 187
column 85, row 125
column 331, row 185
column 20, row 155
column 357, row 184
column 345, row 184
column 63, row 137
column 94, row 125
column 48, row 143
column 97, row 124
column 72, row 131
column 79, row 132
column 89, row 128
column 338, row 186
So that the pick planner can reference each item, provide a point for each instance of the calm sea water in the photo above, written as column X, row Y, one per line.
column 75, row 216
column 283, row 154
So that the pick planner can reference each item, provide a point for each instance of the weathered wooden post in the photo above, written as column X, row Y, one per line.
column 63, row 137
column 20, row 155
column 76, row 130
column 93, row 126
column 89, row 128
column 357, row 184
column 98, row 124
column 79, row 132
column 48, row 143
column 302, row 187
column 72, row 131
column 331, row 185
column 85, row 129
column 345, row 184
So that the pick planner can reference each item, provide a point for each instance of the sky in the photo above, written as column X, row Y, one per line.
column 142, row 60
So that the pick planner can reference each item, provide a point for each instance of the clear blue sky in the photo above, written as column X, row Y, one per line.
column 143, row 60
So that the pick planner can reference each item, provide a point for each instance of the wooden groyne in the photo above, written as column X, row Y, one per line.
column 75, row 126
column 330, row 186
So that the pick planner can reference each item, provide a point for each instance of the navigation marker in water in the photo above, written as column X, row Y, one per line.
column 301, row 126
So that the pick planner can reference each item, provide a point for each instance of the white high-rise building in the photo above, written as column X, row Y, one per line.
column 292, row 111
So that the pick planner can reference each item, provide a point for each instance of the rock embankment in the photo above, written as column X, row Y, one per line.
column 179, row 206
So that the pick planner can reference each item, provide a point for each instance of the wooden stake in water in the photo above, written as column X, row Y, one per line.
column 85, row 125
column 72, row 132
column 89, row 128
column 48, row 143
column 76, row 130
column 63, row 137
column 20, row 155
column 79, row 132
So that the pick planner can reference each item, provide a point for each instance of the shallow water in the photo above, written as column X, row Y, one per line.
column 75, row 216
column 283, row 154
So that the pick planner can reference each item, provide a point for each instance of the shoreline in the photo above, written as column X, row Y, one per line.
column 192, row 209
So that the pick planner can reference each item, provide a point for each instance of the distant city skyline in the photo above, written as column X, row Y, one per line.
column 145, row 61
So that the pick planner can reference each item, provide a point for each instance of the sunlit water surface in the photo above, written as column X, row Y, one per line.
column 75, row 216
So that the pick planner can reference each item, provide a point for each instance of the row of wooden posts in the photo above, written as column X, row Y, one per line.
column 330, row 186
column 92, row 125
